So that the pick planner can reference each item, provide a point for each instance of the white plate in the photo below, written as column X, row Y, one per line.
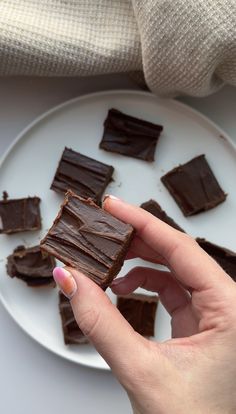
column 29, row 166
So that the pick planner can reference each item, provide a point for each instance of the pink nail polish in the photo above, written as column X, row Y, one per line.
column 112, row 197
column 117, row 281
column 65, row 281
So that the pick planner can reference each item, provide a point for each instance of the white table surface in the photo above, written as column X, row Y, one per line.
column 33, row 380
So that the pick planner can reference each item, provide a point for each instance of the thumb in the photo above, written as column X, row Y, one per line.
column 113, row 337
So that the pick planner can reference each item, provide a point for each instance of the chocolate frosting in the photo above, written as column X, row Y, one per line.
column 20, row 215
column 31, row 266
column 71, row 331
column 155, row 209
column 88, row 238
column 85, row 176
column 130, row 136
column 140, row 311
column 194, row 186
column 224, row 257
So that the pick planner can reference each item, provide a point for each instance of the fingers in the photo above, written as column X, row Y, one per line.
column 140, row 249
column 172, row 295
column 103, row 324
column 191, row 265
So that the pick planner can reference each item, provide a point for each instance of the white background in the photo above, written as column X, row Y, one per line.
column 33, row 380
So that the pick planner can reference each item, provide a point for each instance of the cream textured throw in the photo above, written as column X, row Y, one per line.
column 182, row 46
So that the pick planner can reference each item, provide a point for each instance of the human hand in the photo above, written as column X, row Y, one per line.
column 195, row 371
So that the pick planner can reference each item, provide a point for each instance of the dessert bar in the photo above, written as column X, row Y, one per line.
column 130, row 136
column 88, row 238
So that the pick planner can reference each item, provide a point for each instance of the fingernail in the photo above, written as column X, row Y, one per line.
column 112, row 197
column 117, row 281
column 65, row 281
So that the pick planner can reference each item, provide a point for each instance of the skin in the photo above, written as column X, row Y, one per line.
column 195, row 371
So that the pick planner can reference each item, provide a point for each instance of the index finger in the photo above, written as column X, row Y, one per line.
column 191, row 265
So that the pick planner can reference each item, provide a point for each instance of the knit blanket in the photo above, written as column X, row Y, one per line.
column 180, row 46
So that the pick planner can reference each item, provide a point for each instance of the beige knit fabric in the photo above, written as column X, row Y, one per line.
column 183, row 46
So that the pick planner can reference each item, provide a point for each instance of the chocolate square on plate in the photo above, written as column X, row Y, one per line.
column 194, row 186
column 83, row 175
column 155, row 209
column 88, row 238
column 140, row 311
column 71, row 331
column 224, row 257
column 130, row 136
column 31, row 266
column 18, row 215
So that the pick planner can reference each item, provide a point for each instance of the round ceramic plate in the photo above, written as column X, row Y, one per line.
column 29, row 166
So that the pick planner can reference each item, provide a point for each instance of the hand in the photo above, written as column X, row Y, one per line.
column 195, row 371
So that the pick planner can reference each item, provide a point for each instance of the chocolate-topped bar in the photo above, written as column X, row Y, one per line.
column 18, row 215
column 140, row 311
column 83, row 175
column 71, row 331
column 31, row 266
column 224, row 257
column 130, row 136
column 155, row 209
column 194, row 186
column 88, row 238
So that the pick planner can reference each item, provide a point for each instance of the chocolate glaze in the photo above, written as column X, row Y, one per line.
column 88, row 238
column 83, row 175
column 194, row 186
column 140, row 311
column 224, row 257
column 130, row 136
column 71, row 331
column 19, row 215
column 31, row 266
column 155, row 209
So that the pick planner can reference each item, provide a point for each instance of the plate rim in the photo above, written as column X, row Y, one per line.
column 65, row 104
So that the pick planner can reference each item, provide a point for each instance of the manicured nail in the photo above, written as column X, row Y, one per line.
column 117, row 281
column 112, row 197
column 65, row 281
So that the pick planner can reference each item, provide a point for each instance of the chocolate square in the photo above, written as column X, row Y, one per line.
column 130, row 136
column 155, row 209
column 224, row 257
column 20, row 215
column 194, row 186
column 83, row 175
column 71, row 331
column 31, row 266
column 88, row 238
column 140, row 311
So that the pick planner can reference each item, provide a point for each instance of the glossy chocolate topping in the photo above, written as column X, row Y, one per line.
column 194, row 186
column 71, row 331
column 88, row 238
column 19, row 215
column 224, row 257
column 31, row 266
column 130, row 136
column 140, row 311
column 85, row 176
column 155, row 209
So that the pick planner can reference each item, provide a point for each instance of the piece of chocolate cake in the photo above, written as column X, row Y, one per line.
column 194, row 186
column 224, row 257
column 88, row 238
column 31, row 266
column 19, row 215
column 71, row 331
column 130, row 136
column 140, row 311
column 155, row 209
column 85, row 176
